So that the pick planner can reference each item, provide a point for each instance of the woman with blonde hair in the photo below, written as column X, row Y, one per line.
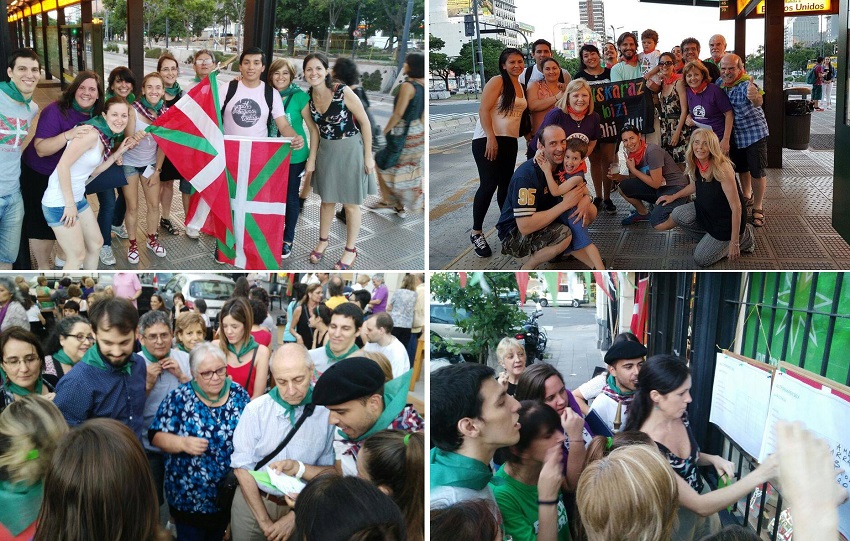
column 30, row 429
column 99, row 486
column 629, row 495
column 511, row 356
column 716, row 217
column 189, row 331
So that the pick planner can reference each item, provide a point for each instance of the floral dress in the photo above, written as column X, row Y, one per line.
column 671, row 110
column 190, row 481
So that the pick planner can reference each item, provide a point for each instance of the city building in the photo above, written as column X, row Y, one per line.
column 592, row 15
column 446, row 22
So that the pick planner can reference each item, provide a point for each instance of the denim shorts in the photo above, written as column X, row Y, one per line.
column 53, row 215
column 11, row 221
column 130, row 170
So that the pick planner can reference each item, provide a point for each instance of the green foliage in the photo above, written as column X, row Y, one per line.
column 440, row 66
column 798, row 56
column 435, row 43
column 492, row 49
column 569, row 64
column 371, row 81
column 754, row 63
column 490, row 319
column 110, row 48
column 156, row 52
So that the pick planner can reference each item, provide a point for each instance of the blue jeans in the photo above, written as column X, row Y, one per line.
column 411, row 346
column 11, row 221
column 186, row 532
column 120, row 209
column 292, row 203
column 105, row 214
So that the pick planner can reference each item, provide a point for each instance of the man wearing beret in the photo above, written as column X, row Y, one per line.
column 344, row 328
column 624, row 359
column 361, row 404
column 259, row 511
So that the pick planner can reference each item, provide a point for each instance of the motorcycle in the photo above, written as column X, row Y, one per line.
column 533, row 337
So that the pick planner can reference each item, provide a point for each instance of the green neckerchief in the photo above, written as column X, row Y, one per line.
column 744, row 77
column 12, row 91
column 156, row 108
column 17, row 389
column 612, row 382
column 63, row 357
column 290, row 409
column 93, row 358
column 196, row 79
column 19, row 505
column 224, row 390
column 100, row 123
column 148, row 355
column 130, row 97
column 250, row 345
column 173, row 89
column 76, row 107
column 335, row 358
column 182, row 348
column 395, row 399
column 290, row 90
column 453, row 470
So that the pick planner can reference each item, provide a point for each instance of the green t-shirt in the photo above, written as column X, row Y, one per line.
column 518, row 505
column 293, row 106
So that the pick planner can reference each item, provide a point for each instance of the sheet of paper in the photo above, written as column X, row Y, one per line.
column 286, row 483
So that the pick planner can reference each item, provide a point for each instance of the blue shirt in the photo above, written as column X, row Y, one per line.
column 750, row 124
column 190, row 481
column 527, row 194
column 88, row 392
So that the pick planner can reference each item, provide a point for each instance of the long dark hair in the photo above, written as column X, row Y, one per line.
column 589, row 47
column 662, row 373
column 506, row 104
column 66, row 100
column 324, row 60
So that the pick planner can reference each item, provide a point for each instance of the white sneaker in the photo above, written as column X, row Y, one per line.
column 401, row 213
column 192, row 232
column 133, row 254
column 121, row 231
column 106, row 255
column 157, row 248
column 59, row 262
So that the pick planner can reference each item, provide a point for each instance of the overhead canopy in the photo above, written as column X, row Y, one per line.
column 26, row 8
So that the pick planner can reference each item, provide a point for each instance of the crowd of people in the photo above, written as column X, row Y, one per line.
column 92, row 141
column 135, row 426
column 697, row 163
column 521, row 457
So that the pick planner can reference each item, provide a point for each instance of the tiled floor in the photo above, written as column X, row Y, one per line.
column 798, row 233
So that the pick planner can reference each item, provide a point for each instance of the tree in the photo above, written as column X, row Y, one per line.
column 490, row 319
column 296, row 19
column 492, row 49
column 754, row 63
column 117, row 16
column 439, row 63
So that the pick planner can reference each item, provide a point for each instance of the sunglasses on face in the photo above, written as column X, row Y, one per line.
column 665, row 63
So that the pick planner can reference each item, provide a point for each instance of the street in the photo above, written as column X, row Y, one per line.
column 572, row 336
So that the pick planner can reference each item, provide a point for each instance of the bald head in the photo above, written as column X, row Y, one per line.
column 292, row 371
column 731, row 67
column 291, row 355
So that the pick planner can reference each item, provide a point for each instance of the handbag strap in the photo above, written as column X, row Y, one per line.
column 308, row 411
column 251, row 368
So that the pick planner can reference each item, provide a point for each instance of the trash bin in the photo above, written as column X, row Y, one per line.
column 798, row 118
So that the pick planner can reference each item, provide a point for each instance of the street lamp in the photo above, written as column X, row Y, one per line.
column 555, row 36
column 614, row 32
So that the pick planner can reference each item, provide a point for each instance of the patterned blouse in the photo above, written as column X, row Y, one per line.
column 337, row 122
column 190, row 481
column 685, row 467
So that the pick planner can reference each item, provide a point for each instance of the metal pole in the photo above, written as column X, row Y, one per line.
column 405, row 34
column 474, row 69
column 478, row 36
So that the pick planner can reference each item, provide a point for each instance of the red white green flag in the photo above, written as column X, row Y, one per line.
column 190, row 133
column 260, row 167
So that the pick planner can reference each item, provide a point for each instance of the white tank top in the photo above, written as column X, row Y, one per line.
column 143, row 154
column 80, row 172
column 504, row 125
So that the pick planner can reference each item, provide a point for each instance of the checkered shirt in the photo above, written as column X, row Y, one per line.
column 750, row 124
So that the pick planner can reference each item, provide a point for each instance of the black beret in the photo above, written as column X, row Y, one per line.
column 348, row 379
column 625, row 349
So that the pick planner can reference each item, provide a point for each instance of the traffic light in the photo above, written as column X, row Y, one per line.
column 469, row 25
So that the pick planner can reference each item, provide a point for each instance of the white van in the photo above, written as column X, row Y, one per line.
column 568, row 295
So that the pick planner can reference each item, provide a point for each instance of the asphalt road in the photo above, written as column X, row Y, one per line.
column 453, row 180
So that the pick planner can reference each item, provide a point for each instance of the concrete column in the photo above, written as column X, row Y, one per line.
column 135, row 37
column 774, row 57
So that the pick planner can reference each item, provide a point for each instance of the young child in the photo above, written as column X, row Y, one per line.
column 650, row 56
column 570, row 178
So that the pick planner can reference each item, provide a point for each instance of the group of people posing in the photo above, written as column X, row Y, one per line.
column 557, row 478
column 195, row 410
column 93, row 141
column 706, row 124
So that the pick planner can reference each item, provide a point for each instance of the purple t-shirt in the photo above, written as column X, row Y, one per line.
column 709, row 107
column 381, row 292
column 589, row 127
column 51, row 123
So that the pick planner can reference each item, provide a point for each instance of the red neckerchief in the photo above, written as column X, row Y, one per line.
column 673, row 78
column 703, row 169
column 703, row 85
column 582, row 168
column 637, row 155
column 580, row 114
column 635, row 63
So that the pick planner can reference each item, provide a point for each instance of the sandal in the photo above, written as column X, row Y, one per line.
column 342, row 266
column 748, row 202
column 757, row 218
column 166, row 224
column 316, row 255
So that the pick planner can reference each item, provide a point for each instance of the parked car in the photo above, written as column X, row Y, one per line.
column 213, row 288
column 568, row 295
column 444, row 319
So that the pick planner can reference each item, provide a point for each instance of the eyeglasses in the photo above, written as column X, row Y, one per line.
column 666, row 63
column 81, row 337
column 206, row 62
column 208, row 375
column 15, row 362
column 161, row 337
